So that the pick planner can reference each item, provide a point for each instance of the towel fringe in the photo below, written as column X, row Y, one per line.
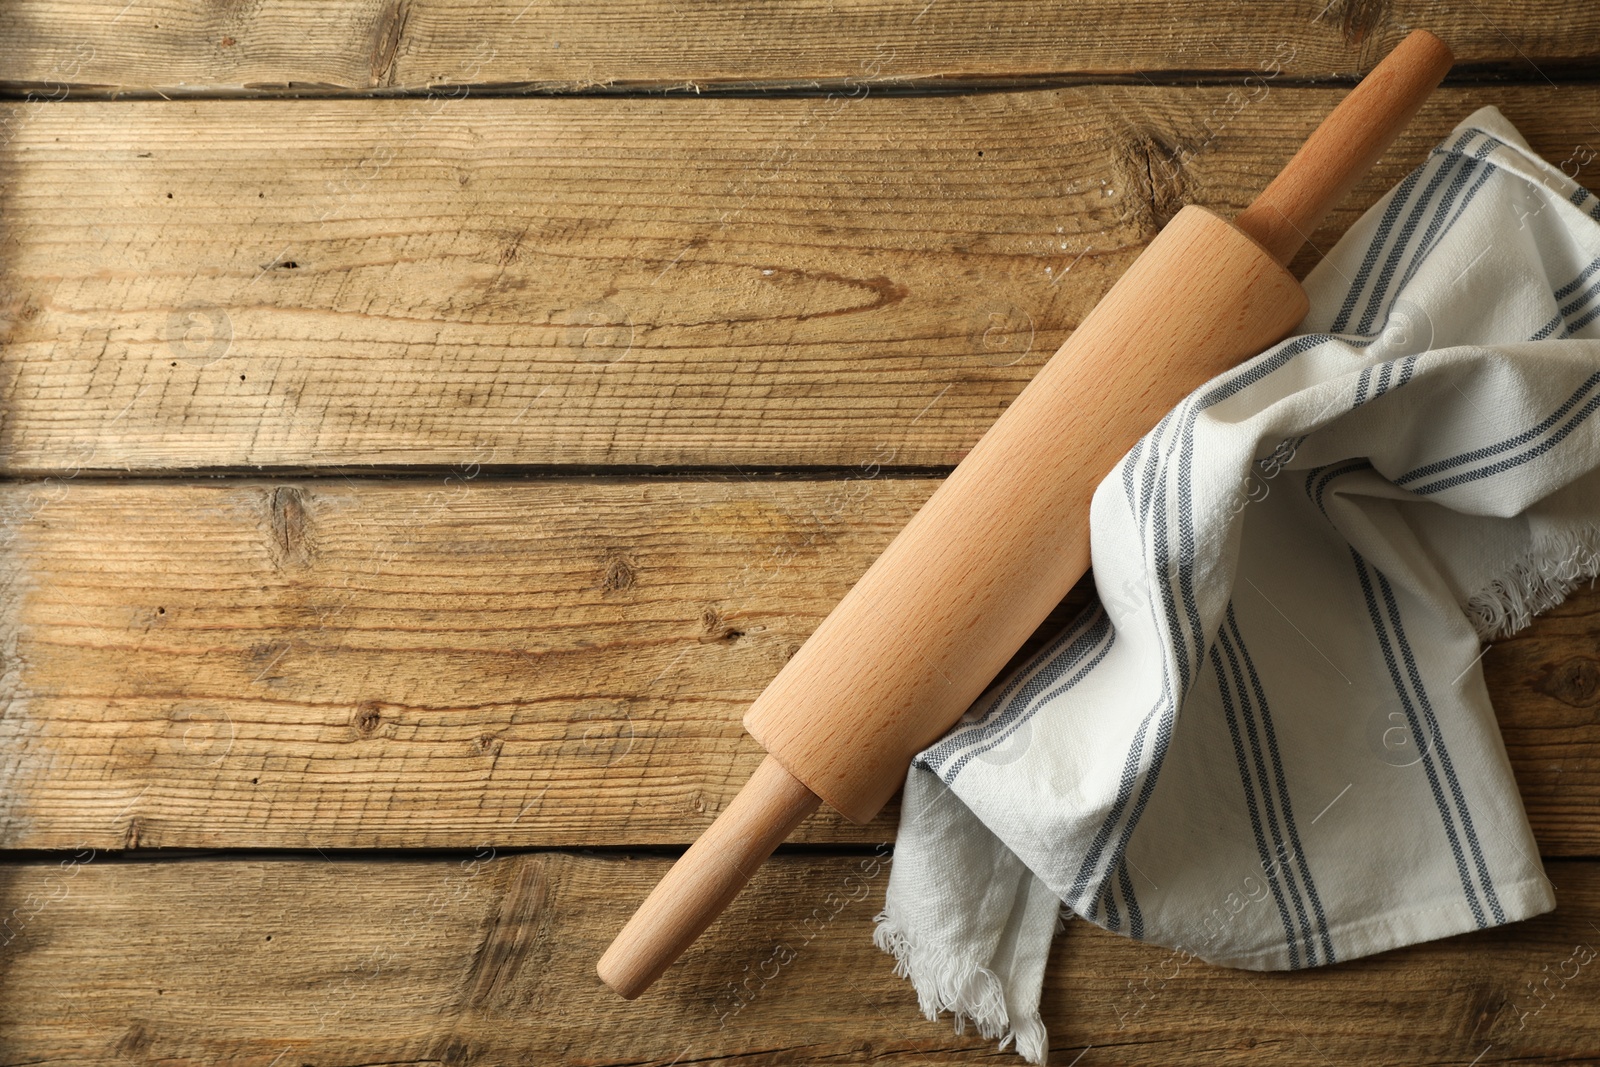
column 1536, row 582
column 968, row 990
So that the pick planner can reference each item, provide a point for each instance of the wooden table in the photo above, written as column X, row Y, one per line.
column 426, row 426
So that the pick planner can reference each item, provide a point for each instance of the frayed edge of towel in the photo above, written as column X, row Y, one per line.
column 968, row 990
column 1535, row 583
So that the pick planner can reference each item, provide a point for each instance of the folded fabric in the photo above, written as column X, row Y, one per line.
column 1269, row 743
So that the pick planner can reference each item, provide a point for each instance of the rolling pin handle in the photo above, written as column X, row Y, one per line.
column 1345, row 146
column 709, row 875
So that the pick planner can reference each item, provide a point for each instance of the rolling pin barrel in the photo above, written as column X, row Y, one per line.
column 1004, row 538
column 1006, row 535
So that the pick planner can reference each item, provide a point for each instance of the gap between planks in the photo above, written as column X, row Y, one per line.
column 170, row 47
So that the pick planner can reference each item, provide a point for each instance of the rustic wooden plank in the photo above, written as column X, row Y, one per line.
column 559, row 662
column 734, row 282
column 176, row 47
column 490, row 959
column 409, row 664
column 1545, row 683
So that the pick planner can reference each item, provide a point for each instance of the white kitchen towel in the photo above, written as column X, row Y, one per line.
column 1269, row 743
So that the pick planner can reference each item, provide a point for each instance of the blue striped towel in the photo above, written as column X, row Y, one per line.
column 1268, row 744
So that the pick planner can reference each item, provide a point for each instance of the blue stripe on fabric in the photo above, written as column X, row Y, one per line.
column 1473, row 165
column 1156, row 456
column 1307, row 940
column 1154, row 516
column 1187, row 546
column 1317, row 481
column 1158, row 756
column 1578, row 324
column 1407, row 367
column 1583, row 298
column 1135, row 920
column 1108, row 902
column 1513, row 462
column 1385, row 226
column 1311, row 476
column 1169, row 701
column 1130, row 769
column 1436, row 743
column 1390, row 213
column 1548, row 328
column 1077, row 639
column 1178, row 643
column 1129, row 463
column 1582, row 195
column 1437, row 228
column 1432, row 772
column 941, row 752
column 1424, row 203
column 1103, row 633
column 1384, row 374
column 1169, row 603
column 1269, row 866
column 1259, row 368
column 1172, row 700
column 1362, row 384
column 1470, row 166
column 1152, row 467
column 1281, row 778
column 1572, row 286
column 1509, row 443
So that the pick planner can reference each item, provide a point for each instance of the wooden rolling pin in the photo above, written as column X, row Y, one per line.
column 1000, row 542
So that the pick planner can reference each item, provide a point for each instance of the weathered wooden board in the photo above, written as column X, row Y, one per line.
column 557, row 662
column 850, row 280
column 487, row 959
column 725, row 282
column 411, row 44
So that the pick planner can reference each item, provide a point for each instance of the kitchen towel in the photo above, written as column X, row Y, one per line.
column 1268, row 743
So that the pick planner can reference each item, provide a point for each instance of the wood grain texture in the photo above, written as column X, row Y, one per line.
column 490, row 959
column 728, row 282
column 369, row 45
column 410, row 664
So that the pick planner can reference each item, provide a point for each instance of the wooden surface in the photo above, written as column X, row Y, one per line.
column 485, row 957
column 109, row 46
column 439, row 472
column 719, row 282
